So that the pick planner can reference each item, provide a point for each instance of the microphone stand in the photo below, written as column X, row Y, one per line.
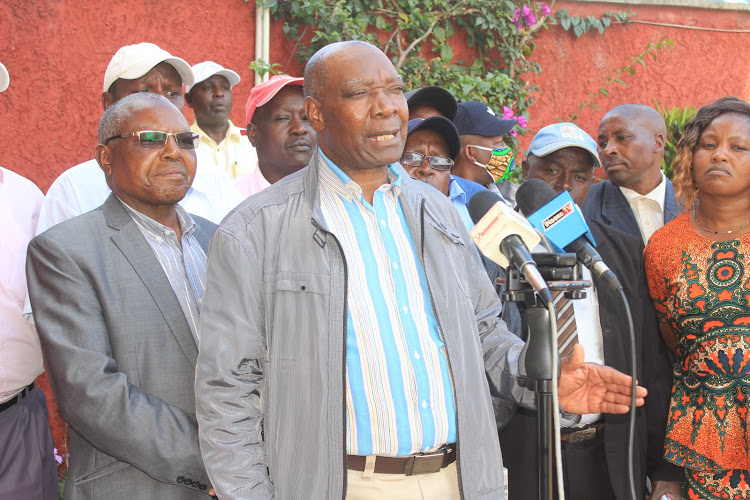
column 536, row 360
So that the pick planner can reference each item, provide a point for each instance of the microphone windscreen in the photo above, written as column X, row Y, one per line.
column 533, row 194
column 481, row 203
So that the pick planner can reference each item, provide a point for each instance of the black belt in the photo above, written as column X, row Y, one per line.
column 422, row 463
column 17, row 398
column 582, row 435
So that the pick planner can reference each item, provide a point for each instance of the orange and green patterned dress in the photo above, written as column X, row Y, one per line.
column 701, row 289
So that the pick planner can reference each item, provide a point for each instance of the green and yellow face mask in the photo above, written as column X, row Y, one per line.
column 501, row 164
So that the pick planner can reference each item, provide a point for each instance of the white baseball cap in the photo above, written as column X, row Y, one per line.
column 206, row 69
column 134, row 61
column 4, row 78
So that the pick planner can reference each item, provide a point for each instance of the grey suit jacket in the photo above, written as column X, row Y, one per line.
column 606, row 204
column 120, row 356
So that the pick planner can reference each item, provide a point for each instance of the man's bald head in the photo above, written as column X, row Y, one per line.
column 354, row 101
column 631, row 146
column 316, row 72
column 646, row 116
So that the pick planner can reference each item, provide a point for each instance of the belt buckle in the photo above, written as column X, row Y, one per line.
column 426, row 463
column 583, row 436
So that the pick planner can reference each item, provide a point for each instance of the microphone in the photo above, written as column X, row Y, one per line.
column 562, row 222
column 504, row 236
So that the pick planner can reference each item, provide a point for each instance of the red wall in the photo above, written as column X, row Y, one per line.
column 56, row 52
column 699, row 68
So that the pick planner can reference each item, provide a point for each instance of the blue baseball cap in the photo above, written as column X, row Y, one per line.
column 477, row 118
column 563, row 135
column 442, row 126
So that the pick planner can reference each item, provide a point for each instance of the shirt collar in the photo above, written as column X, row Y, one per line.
column 658, row 194
column 187, row 224
column 337, row 180
column 455, row 193
column 234, row 134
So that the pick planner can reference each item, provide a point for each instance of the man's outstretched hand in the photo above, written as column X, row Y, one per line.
column 592, row 388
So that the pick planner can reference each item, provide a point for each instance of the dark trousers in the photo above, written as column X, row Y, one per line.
column 27, row 461
column 585, row 472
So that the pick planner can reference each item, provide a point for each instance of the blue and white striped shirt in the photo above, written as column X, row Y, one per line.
column 399, row 394
column 183, row 262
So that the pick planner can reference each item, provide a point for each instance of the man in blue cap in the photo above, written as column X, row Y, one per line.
column 594, row 446
column 484, row 157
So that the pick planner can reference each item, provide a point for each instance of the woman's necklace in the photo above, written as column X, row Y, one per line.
column 695, row 216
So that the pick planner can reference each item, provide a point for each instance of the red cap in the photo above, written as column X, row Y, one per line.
column 266, row 91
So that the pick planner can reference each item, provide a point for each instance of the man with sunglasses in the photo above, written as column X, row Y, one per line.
column 116, row 294
column 431, row 146
column 142, row 67
column 484, row 157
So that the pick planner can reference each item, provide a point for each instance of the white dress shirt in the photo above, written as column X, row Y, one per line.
column 648, row 208
column 83, row 188
column 20, row 353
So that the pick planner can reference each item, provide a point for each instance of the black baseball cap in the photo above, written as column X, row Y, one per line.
column 437, row 97
column 477, row 118
column 442, row 126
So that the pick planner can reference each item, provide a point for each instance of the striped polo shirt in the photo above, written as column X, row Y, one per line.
column 184, row 261
column 399, row 394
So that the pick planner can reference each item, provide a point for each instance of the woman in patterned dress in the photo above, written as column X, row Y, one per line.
column 698, row 269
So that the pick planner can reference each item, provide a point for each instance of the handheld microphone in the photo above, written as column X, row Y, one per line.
column 562, row 222
column 504, row 236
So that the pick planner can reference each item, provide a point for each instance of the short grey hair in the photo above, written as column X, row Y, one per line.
column 114, row 116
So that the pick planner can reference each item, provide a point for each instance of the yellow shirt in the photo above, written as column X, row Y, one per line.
column 234, row 155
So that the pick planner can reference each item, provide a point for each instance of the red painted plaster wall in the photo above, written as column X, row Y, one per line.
column 701, row 66
column 56, row 52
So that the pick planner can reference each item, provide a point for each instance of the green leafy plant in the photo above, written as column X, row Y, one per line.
column 263, row 68
column 652, row 49
column 582, row 25
column 676, row 118
column 420, row 37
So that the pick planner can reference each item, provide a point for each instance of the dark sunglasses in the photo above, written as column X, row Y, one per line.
column 436, row 162
column 185, row 140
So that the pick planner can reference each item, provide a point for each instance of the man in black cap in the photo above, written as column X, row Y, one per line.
column 434, row 101
column 431, row 101
column 431, row 146
column 484, row 157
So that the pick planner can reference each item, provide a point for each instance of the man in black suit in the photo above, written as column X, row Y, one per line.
column 594, row 448
column 638, row 198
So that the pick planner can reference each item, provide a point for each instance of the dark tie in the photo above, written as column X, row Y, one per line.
column 567, row 334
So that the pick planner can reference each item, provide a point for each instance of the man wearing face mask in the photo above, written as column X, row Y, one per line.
column 484, row 157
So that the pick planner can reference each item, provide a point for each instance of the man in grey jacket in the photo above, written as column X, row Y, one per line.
column 350, row 337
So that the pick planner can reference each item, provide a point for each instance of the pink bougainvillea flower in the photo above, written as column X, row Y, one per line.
column 522, row 121
column 514, row 132
column 528, row 15
column 545, row 10
column 516, row 19
column 508, row 113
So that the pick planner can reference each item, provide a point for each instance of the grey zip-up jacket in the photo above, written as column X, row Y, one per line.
column 270, row 379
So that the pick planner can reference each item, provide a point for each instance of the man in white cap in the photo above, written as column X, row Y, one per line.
column 142, row 67
column 222, row 144
column 27, row 462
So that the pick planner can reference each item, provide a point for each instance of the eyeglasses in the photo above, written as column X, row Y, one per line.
column 436, row 162
column 185, row 140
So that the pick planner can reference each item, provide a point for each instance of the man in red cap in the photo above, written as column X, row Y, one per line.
column 278, row 129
